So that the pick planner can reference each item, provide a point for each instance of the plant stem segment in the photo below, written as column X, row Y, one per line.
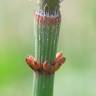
column 46, row 47
column 49, row 5
column 47, row 27
column 43, row 85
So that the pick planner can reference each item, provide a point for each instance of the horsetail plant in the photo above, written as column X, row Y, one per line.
column 46, row 60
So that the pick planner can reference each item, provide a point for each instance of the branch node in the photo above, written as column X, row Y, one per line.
column 45, row 67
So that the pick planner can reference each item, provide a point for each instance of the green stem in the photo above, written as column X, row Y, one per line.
column 43, row 85
column 46, row 39
column 49, row 5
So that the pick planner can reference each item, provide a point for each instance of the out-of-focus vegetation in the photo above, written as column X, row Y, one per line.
column 77, row 41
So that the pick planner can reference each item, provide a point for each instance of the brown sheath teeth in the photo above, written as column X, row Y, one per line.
column 45, row 67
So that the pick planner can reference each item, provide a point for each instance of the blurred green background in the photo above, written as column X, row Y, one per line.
column 77, row 41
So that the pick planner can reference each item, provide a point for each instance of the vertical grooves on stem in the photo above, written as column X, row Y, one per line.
column 40, row 35
column 46, row 39
column 43, row 89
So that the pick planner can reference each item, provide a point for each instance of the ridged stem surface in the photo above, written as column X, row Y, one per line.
column 46, row 40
